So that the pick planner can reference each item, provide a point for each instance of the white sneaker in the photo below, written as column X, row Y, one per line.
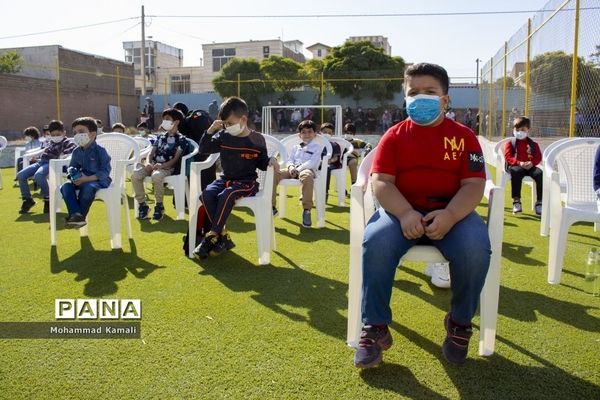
column 440, row 275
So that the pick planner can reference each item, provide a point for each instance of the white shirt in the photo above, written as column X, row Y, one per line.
column 305, row 157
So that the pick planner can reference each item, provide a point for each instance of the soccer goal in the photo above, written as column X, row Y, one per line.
column 271, row 125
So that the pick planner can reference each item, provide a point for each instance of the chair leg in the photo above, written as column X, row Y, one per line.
column 488, row 307
column 340, row 184
column 114, row 223
column 282, row 200
column 320, row 203
column 354, row 298
column 559, row 229
column 263, row 239
column 127, row 216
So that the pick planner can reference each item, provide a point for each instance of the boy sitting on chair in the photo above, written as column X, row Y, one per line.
column 428, row 176
column 242, row 151
column 302, row 164
column 89, row 171
column 522, row 155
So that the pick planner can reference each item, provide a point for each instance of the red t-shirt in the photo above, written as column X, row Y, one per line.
column 429, row 162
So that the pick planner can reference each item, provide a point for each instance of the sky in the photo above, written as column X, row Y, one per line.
column 454, row 42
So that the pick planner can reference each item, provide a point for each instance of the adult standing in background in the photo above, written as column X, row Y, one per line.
column 149, row 111
column 213, row 109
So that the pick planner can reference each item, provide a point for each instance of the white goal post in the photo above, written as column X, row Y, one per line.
column 268, row 118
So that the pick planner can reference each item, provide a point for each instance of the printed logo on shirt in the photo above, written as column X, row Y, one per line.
column 249, row 156
column 476, row 162
column 452, row 149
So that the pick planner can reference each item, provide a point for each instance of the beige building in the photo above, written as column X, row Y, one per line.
column 158, row 56
column 319, row 50
column 379, row 41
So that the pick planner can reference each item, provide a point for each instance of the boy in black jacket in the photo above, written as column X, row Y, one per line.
column 242, row 151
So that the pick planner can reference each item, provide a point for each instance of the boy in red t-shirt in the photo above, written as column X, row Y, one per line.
column 428, row 176
column 522, row 155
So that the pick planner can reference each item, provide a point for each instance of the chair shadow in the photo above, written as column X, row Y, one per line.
column 515, row 304
column 104, row 270
column 166, row 224
column 37, row 218
column 314, row 234
column 519, row 254
column 497, row 376
column 278, row 288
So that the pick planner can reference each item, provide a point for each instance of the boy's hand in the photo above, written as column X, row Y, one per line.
column 157, row 166
column 273, row 162
column 149, row 168
column 82, row 179
column 293, row 171
column 412, row 226
column 216, row 126
column 438, row 223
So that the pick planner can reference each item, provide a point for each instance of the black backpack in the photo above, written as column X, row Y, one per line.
column 513, row 143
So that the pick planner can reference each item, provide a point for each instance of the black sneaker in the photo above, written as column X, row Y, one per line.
column 373, row 340
column 456, row 344
column 143, row 211
column 227, row 241
column 306, row 219
column 207, row 244
column 220, row 246
column 275, row 211
column 75, row 221
column 46, row 206
column 159, row 212
column 26, row 205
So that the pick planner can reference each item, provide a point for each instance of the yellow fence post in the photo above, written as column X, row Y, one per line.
column 528, row 68
column 322, row 97
column 238, row 86
column 118, row 88
column 504, row 90
column 479, row 110
column 57, row 89
column 574, row 72
column 490, row 116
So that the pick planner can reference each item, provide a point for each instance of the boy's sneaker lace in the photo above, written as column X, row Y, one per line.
column 26, row 205
column 456, row 344
column 143, row 211
column 207, row 244
column 517, row 208
column 373, row 340
column 159, row 212
column 538, row 208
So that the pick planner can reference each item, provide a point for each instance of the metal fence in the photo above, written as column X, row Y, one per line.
column 550, row 68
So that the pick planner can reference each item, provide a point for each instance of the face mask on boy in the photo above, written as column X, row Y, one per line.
column 81, row 139
column 520, row 135
column 234, row 130
column 167, row 125
column 56, row 139
column 423, row 109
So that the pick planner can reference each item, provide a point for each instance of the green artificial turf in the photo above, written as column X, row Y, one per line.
column 228, row 328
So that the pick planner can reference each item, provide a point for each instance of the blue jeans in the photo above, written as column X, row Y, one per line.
column 39, row 171
column 79, row 204
column 466, row 246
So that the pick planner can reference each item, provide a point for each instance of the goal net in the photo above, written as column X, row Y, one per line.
column 284, row 119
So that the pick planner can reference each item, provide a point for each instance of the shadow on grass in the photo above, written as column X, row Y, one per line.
column 101, row 269
column 496, row 376
column 167, row 224
column 37, row 218
column 519, row 254
column 314, row 234
column 278, row 287
column 515, row 304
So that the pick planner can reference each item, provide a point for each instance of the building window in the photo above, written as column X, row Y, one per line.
column 319, row 53
column 220, row 57
column 266, row 50
column 180, row 84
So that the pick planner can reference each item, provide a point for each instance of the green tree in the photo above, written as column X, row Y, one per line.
column 251, row 86
column 10, row 62
column 353, row 69
column 285, row 73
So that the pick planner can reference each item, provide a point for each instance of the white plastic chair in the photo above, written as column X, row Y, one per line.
column 502, row 177
column 260, row 204
column 545, row 218
column 123, row 151
column 340, row 174
column 320, row 179
column 362, row 206
column 575, row 158
column 179, row 184
column 3, row 144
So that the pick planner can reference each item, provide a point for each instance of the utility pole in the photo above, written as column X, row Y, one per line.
column 477, row 73
column 143, row 53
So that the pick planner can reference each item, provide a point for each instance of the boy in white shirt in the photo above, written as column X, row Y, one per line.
column 302, row 163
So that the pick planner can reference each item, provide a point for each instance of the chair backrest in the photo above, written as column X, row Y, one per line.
column 345, row 148
column 120, row 148
column 275, row 148
column 363, row 179
column 547, row 151
column 142, row 142
column 575, row 158
column 3, row 143
column 292, row 140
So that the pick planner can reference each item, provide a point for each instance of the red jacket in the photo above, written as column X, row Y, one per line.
column 524, row 153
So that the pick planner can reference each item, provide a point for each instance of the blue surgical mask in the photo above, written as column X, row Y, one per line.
column 423, row 109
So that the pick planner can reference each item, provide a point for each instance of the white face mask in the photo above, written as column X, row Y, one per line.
column 167, row 125
column 234, row 130
column 81, row 139
column 348, row 137
column 520, row 134
column 56, row 139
